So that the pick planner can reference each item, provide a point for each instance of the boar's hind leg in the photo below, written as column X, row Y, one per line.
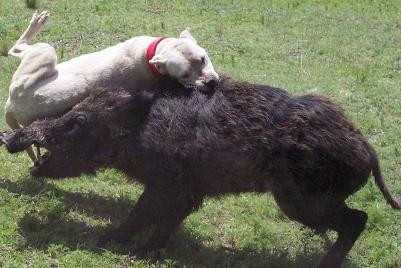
column 155, row 204
column 322, row 214
column 349, row 224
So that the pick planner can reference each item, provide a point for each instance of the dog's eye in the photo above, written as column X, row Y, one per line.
column 185, row 76
column 203, row 59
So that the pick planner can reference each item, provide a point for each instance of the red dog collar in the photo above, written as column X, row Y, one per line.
column 150, row 53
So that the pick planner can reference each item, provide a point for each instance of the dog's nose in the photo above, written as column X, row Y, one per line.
column 210, row 83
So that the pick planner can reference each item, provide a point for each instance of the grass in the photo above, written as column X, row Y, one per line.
column 349, row 51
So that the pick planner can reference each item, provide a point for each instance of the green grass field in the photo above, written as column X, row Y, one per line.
column 349, row 51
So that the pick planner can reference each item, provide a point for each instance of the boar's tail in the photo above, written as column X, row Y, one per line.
column 380, row 183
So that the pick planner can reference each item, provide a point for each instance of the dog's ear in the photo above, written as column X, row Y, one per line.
column 187, row 34
column 159, row 61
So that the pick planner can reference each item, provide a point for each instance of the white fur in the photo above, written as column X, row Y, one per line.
column 42, row 88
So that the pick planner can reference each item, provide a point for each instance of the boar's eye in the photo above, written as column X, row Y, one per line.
column 81, row 119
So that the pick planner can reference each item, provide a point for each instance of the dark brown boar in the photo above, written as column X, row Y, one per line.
column 184, row 146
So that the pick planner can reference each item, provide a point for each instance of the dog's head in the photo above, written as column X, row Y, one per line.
column 182, row 59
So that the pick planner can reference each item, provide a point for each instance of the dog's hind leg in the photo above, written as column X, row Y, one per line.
column 13, row 124
column 35, row 26
column 38, row 61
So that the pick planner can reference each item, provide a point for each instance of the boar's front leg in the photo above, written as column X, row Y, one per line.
column 168, row 225
column 160, row 204
column 147, row 211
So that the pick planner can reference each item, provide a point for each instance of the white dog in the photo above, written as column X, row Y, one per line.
column 42, row 88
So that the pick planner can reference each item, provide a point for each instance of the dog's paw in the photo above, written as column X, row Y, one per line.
column 39, row 19
column 34, row 17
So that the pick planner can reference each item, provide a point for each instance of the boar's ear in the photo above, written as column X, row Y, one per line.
column 145, row 98
column 187, row 34
column 142, row 102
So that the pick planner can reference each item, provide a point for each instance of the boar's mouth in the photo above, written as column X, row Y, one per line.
column 20, row 139
column 59, row 163
column 54, row 163
column 42, row 161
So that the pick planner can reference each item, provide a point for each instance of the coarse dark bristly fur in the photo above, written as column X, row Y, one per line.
column 186, row 145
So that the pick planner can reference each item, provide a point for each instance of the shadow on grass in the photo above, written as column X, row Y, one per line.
column 42, row 228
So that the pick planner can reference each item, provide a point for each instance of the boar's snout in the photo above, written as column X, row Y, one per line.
column 16, row 141
column 3, row 139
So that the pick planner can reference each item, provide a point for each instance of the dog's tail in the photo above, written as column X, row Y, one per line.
column 396, row 204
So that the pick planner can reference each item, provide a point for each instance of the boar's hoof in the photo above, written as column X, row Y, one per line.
column 110, row 236
column 143, row 251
